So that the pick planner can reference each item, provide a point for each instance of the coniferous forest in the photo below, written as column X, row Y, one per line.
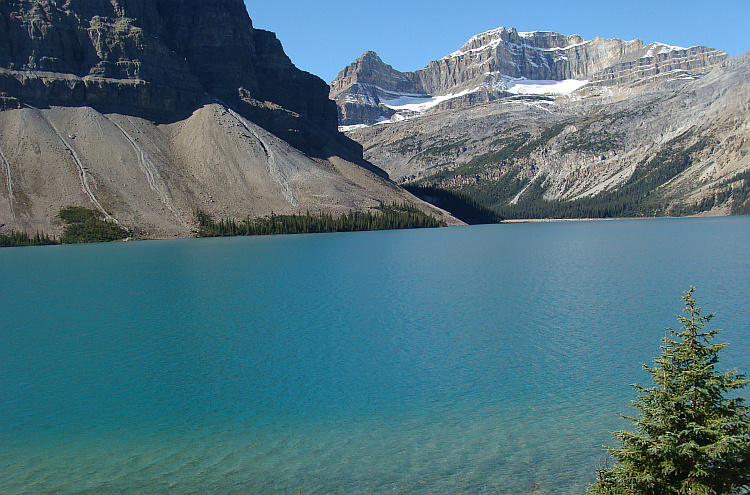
column 87, row 225
column 81, row 225
column 396, row 216
column 15, row 239
column 460, row 205
column 638, row 197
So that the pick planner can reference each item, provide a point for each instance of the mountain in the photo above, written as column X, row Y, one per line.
column 504, row 62
column 149, row 109
column 634, row 131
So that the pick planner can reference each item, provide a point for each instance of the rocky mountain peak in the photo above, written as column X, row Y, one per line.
column 504, row 62
column 367, row 65
column 657, row 138
column 370, row 55
column 549, row 39
column 536, row 39
column 370, row 70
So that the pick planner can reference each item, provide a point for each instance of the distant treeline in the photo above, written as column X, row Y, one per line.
column 15, row 239
column 395, row 216
column 81, row 225
column 639, row 196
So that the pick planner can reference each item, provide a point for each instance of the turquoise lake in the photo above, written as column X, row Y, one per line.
column 464, row 360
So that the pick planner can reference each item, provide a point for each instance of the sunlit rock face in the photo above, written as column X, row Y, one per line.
column 490, row 65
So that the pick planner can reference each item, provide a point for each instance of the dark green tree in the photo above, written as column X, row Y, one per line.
column 689, row 438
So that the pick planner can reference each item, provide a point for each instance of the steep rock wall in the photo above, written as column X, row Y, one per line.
column 158, row 59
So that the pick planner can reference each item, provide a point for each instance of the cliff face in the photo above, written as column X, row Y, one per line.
column 158, row 59
column 486, row 63
column 149, row 109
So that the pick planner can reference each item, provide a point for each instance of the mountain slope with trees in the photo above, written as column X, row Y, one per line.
column 674, row 147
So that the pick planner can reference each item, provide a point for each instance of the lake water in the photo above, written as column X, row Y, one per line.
column 464, row 360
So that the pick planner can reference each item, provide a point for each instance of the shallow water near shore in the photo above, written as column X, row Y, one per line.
column 468, row 360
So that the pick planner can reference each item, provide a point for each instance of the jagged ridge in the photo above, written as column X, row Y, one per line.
column 484, row 66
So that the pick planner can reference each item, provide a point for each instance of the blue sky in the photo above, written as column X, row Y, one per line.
column 324, row 37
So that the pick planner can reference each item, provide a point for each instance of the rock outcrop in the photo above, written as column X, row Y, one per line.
column 148, row 109
column 489, row 62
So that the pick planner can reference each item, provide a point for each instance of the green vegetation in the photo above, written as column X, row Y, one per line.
column 666, row 164
column 741, row 195
column 459, row 204
column 624, row 202
column 689, row 438
column 494, row 178
column 396, row 216
column 531, row 98
column 508, row 148
column 87, row 225
column 81, row 225
column 551, row 132
column 496, row 193
column 403, row 146
column 638, row 197
column 15, row 239
column 78, row 214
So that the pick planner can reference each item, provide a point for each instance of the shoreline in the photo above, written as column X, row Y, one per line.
column 509, row 221
column 706, row 214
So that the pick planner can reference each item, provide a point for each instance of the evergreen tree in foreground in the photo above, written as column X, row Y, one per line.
column 689, row 438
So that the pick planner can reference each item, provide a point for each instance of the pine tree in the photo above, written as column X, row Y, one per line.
column 689, row 438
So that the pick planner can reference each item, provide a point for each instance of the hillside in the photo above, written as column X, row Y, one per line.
column 147, row 110
column 671, row 138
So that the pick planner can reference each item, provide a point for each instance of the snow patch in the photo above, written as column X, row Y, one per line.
column 538, row 106
column 662, row 49
column 347, row 128
column 459, row 53
column 667, row 49
column 523, row 86
column 490, row 33
column 532, row 87
column 419, row 104
column 495, row 43
column 359, row 98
